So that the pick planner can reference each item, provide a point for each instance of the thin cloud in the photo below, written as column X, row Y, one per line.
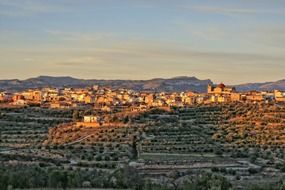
column 83, row 61
column 17, row 8
column 77, row 36
column 137, row 51
column 232, row 11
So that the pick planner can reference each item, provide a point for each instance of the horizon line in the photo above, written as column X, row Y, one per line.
column 106, row 79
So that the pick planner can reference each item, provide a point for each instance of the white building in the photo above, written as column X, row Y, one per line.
column 90, row 119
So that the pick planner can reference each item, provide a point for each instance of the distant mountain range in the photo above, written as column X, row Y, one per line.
column 173, row 84
column 266, row 86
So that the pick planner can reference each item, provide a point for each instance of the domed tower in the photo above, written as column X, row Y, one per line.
column 221, row 85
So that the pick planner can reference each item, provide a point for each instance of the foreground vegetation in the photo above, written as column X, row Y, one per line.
column 219, row 146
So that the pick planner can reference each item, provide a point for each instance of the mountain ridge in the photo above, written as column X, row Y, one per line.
column 179, row 83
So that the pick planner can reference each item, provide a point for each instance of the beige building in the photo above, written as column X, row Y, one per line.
column 279, row 95
column 220, row 93
column 254, row 96
column 33, row 95
column 149, row 99
column 235, row 96
column 90, row 119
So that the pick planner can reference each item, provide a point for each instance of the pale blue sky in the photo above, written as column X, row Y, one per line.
column 233, row 41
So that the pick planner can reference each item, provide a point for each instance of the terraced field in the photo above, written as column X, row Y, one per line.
column 101, row 147
column 223, row 139
column 28, row 127
column 242, row 142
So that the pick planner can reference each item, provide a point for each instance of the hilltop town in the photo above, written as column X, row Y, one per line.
column 171, row 140
column 104, row 99
column 107, row 99
column 142, row 95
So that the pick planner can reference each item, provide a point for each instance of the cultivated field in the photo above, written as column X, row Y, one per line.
column 238, row 142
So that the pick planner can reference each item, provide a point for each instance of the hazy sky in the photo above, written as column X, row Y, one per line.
column 232, row 41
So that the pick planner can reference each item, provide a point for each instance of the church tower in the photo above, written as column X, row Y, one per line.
column 210, row 89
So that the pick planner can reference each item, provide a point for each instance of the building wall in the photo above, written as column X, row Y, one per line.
column 256, row 97
column 90, row 119
column 235, row 97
